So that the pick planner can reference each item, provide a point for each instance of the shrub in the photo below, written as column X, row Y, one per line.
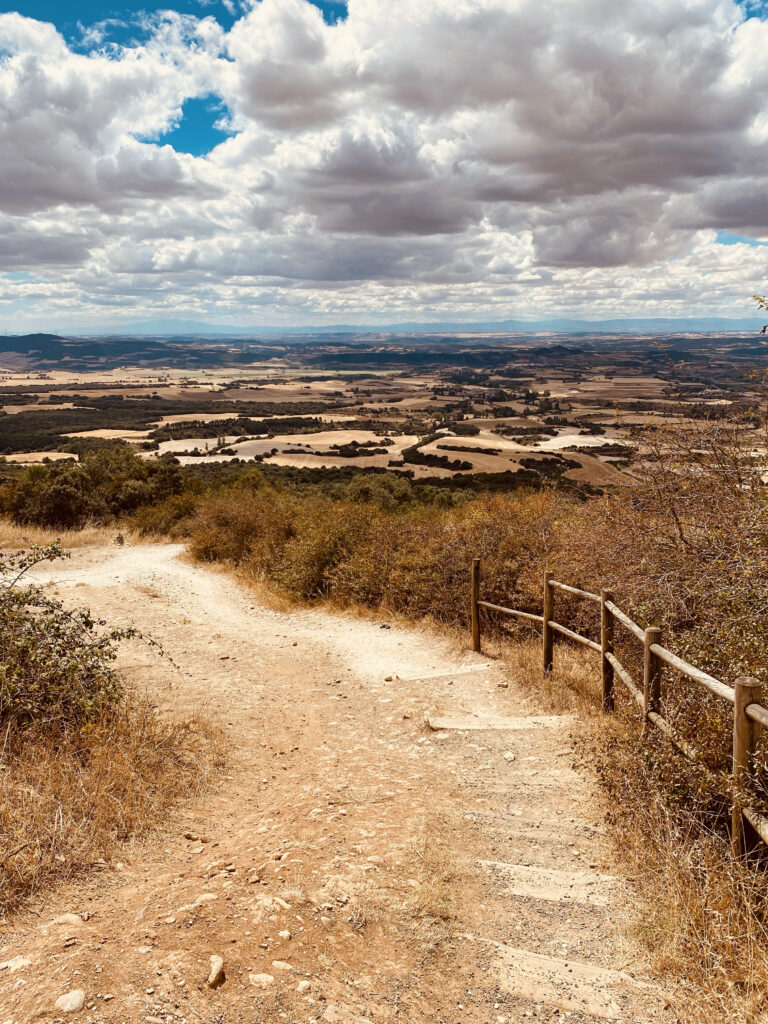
column 106, row 484
column 55, row 664
column 85, row 764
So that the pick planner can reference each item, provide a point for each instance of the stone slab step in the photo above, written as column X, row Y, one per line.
column 575, row 986
column 439, row 723
column 555, row 886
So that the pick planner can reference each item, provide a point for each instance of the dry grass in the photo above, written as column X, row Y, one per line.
column 433, row 897
column 68, row 801
column 703, row 917
column 15, row 537
column 572, row 686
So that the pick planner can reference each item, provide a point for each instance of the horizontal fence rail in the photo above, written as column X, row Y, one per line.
column 749, row 715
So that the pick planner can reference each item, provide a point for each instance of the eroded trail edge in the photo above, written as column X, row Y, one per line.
column 354, row 863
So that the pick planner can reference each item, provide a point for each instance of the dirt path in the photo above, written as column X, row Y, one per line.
column 354, row 864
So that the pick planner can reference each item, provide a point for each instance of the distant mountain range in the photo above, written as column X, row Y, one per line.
column 624, row 325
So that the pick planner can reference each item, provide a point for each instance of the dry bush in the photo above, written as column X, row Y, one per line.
column 71, row 798
column 685, row 549
column 413, row 560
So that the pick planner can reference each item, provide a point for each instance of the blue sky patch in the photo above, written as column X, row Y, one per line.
column 728, row 238
column 120, row 21
column 202, row 126
column 754, row 8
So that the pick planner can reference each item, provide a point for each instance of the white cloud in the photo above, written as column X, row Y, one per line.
column 479, row 157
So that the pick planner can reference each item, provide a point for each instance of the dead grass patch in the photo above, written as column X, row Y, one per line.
column 70, row 800
column 433, row 898
column 18, row 537
column 572, row 686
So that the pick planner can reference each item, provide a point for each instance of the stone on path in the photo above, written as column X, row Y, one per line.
column 71, row 1002
column 261, row 980
column 216, row 976
column 15, row 964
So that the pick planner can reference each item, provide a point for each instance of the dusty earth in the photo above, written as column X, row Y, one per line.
column 353, row 863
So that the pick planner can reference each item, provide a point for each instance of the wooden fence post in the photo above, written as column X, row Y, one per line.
column 475, row 607
column 606, row 647
column 745, row 731
column 651, row 672
column 547, row 633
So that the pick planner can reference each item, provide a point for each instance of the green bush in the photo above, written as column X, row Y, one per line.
column 55, row 665
column 105, row 484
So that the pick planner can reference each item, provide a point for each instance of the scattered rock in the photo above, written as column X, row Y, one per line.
column 285, row 934
column 503, row 686
column 387, row 679
column 191, row 835
column 281, row 965
column 509, row 755
column 71, row 1002
column 216, row 976
column 327, row 921
column 305, row 986
column 261, row 980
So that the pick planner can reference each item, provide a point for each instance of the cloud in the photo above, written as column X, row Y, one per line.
column 495, row 157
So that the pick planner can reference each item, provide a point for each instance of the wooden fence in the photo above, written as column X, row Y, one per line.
column 744, row 695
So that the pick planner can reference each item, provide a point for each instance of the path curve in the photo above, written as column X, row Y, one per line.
column 353, row 864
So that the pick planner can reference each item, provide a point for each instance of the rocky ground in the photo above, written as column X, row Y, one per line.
column 354, row 863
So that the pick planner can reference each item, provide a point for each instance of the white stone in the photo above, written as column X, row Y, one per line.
column 216, row 974
column 15, row 964
column 71, row 1002
column 261, row 980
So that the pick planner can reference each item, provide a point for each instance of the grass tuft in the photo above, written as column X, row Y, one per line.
column 69, row 800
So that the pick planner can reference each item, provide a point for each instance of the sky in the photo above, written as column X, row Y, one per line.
column 278, row 162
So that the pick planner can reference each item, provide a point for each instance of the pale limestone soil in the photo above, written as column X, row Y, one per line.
column 342, row 822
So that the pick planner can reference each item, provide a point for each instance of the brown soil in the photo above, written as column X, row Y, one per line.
column 406, row 873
